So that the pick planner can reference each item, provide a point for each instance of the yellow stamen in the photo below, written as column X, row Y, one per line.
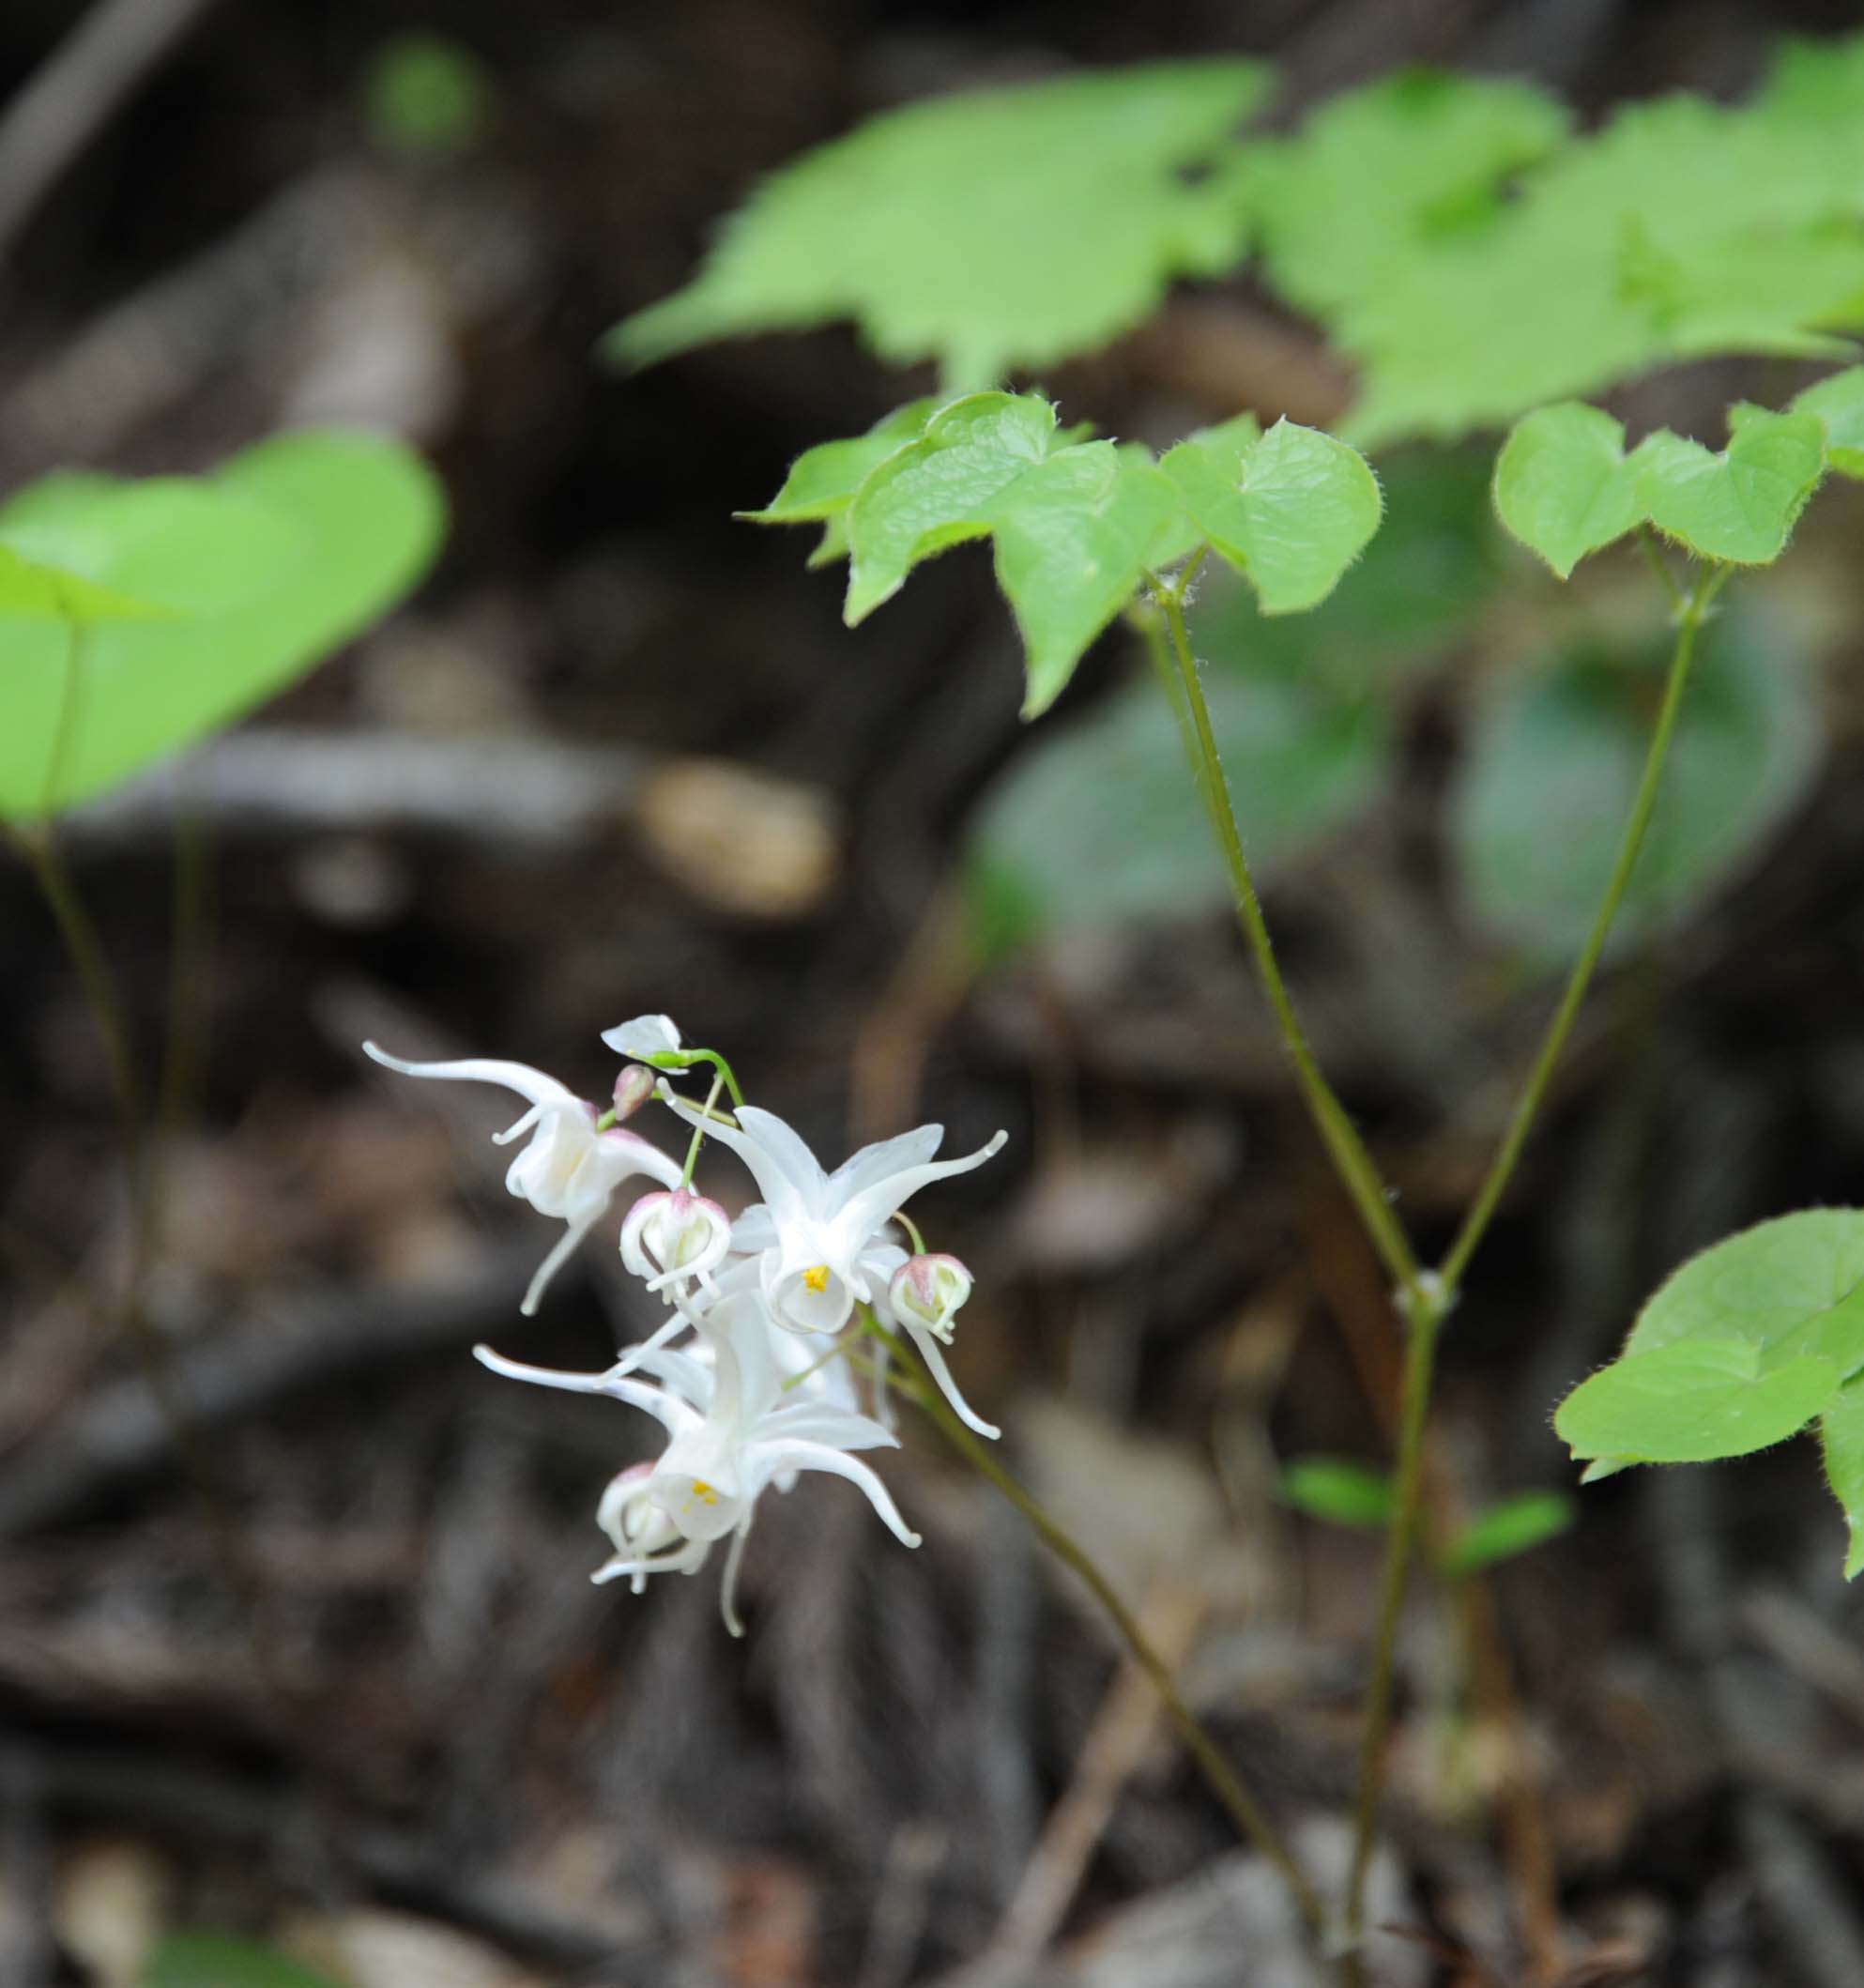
column 703, row 1493
column 816, row 1278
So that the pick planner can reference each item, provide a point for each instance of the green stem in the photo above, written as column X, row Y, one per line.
column 1222, row 1779
column 1507, row 1154
column 699, row 1131
column 1357, row 1170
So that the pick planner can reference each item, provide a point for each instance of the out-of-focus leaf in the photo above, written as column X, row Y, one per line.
column 1838, row 403
column 1097, row 823
column 257, row 573
column 992, row 232
column 1842, row 1435
column 1693, row 1401
column 427, row 95
column 1552, row 762
column 1504, row 1531
column 1340, row 1492
column 209, row 1960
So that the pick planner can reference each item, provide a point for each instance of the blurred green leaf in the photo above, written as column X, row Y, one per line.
column 209, row 1960
column 1097, row 823
column 426, row 94
column 1504, row 1531
column 1842, row 1435
column 1291, row 509
column 1340, row 1492
column 1693, row 1401
column 997, row 231
column 1551, row 764
column 1838, row 403
column 260, row 572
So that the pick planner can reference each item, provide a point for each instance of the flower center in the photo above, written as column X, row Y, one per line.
column 702, row 1493
column 816, row 1278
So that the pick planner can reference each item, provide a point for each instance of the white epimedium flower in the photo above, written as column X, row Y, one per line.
column 816, row 1233
column 924, row 1297
column 643, row 1038
column 569, row 1170
column 736, row 1424
column 675, row 1239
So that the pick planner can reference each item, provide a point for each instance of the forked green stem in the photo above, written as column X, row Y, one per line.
column 1357, row 1170
column 1221, row 1777
column 1437, row 1293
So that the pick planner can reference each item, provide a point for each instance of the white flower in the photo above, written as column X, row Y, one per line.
column 675, row 1239
column 734, row 1428
column 815, row 1232
column 924, row 1296
column 568, row 1169
column 643, row 1038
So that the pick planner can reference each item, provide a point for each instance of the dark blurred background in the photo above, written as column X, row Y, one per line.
column 319, row 1665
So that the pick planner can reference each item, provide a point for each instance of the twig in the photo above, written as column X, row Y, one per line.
column 86, row 80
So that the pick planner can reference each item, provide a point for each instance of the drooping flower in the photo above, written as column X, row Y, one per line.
column 569, row 1170
column 924, row 1297
column 676, row 1238
column 736, row 1424
column 815, row 1234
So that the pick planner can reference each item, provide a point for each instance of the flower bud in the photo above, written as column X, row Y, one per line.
column 927, row 1290
column 672, row 1236
column 634, row 1086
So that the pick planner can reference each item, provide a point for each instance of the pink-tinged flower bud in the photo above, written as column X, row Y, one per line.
column 670, row 1237
column 927, row 1290
column 634, row 1086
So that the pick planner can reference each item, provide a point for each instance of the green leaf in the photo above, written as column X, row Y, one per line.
column 1841, row 1437
column 1504, row 1531
column 259, row 573
column 1791, row 1286
column 1742, row 503
column 1838, row 403
column 1340, row 1492
column 32, row 592
column 1095, row 823
column 1564, row 745
column 998, row 231
column 932, row 493
column 1291, row 510
column 1693, row 1401
column 1563, row 484
column 1075, row 536
column 208, row 1960
column 426, row 95
column 822, row 480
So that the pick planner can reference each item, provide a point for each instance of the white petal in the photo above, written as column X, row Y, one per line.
column 867, row 1210
column 679, row 1416
column 521, row 1077
column 934, row 1357
column 818, row 1422
column 565, row 1250
column 647, row 1035
column 780, row 1456
column 786, row 1172
column 755, row 1231
column 727, row 1594
column 875, row 1163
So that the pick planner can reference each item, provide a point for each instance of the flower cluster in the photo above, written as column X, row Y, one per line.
column 765, row 1387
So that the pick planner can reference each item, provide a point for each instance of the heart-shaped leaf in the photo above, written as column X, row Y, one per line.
column 1564, row 485
column 1291, row 510
column 251, row 577
column 1693, row 1401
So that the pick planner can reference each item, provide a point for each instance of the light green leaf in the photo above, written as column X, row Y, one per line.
column 1504, row 1531
column 932, row 493
column 260, row 571
column 1564, row 746
column 1563, row 484
column 1095, row 822
column 1838, row 405
column 1693, row 1401
column 1074, row 536
column 427, row 95
column 998, row 231
column 822, row 480
column 209, row 1960
column 1742, row 503
column 1340, row 1492
column 1291, row 511
column 33, row 592
column 1791, row 1286
column 1841, row 1437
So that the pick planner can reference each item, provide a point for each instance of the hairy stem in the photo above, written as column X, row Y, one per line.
column 1357, row 1170
column 1221, row 1777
